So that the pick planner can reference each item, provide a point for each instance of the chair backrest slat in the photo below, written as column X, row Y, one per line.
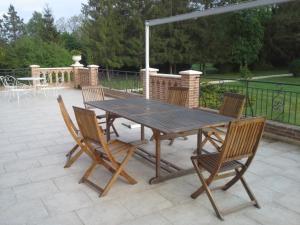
column 178, row 96
column 90, row 130
column 67, row 119
column 242, row 138
column 233, row 105
column 92, row 93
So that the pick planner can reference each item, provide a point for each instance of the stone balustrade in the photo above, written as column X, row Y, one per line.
column 73, row 76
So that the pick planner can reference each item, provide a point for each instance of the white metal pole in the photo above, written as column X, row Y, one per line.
column 147, row 59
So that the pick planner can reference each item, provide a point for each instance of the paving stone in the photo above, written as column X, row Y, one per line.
column 35, row 190
column 14, row 178
column 23, row 212
column 21, row 165
column 65, row 219
column 64, row 202
column 145, row 202
column 107, row 212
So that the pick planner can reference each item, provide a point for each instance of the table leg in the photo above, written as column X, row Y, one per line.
column 157, row 157
column 142, row 133
column 107, row 126
column 199, row 142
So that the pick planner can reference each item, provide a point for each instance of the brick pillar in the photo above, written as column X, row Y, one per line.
column 93, row 75
column 191, row 80
column 76, row 76
column 35, row 72
column 152, row 71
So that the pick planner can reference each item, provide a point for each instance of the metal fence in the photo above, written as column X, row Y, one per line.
column 128, row 81
column 277, row 101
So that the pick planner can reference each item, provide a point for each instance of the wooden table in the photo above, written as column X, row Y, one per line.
column 166, row 121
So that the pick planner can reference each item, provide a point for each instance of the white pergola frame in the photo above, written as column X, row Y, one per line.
column 195, row 15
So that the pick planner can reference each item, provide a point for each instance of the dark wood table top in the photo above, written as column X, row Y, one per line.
column 161, row 116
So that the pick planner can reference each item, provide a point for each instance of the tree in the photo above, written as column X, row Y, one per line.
column 103, row 45
column 12, row 26
column 282, row 35
column 35, row 26
column 49, row 31
column 28, row 50
column 247, row 34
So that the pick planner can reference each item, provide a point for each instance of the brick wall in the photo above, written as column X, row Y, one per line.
column 160, row 83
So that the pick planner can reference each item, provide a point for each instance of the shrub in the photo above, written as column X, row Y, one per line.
column 294, row 68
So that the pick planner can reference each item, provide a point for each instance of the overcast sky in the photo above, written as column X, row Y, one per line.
column 60, row 8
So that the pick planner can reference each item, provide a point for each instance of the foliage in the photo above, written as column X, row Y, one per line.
column 294, row 68
column 11, row 26
column 27, row 51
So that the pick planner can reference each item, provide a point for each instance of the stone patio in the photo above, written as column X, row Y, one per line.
column 35, row 189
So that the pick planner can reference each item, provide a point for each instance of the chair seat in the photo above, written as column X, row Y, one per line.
column 116, row 147
column 210, row 162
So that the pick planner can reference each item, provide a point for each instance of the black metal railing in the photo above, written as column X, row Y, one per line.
column 128, row 81
column 277, row 101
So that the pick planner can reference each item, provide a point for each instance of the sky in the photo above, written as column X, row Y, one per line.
column 60, row 8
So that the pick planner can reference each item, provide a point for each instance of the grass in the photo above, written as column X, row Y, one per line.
column 237, row 75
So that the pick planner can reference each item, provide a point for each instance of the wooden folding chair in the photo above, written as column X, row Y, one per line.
column 233, row 105
column 236, row 154
column 96, row 93
column 102, row 152
column 177, row 96
column 76, row 151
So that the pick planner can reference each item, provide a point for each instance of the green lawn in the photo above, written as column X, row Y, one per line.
column 237, row 75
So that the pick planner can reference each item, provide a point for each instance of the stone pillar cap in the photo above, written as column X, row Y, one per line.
column 34, row 66
column 93, row 66
column 77, row 65
column 190, row 72
column 150, row 69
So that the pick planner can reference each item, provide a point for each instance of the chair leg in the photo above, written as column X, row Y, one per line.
column 208, row 180
column 249, row 192
column 115, row 130
column 171, row 141
column 71, row 159
column 88, row 172
column 205, row 184
column 117, row 173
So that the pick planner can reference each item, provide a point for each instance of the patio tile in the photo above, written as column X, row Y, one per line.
column 8, row 157
column 47, row 172
column 35, row 190
column 153, row 219
column 290, row 201
column 64, row 202
column 23, row 212
column 107, row 212
column 14, row 147
column 65, row 219
column 176, row 191
column 144, row 203
column 13, row 179
column 190, row 214
column 280, row 184
column 275, row 215
column 7, row 198
column 31, row 153
column 21, row 165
